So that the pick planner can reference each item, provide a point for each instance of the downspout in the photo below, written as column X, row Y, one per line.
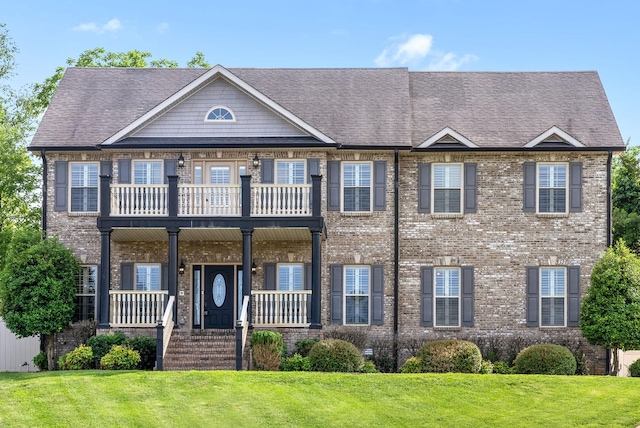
column 396, row 253
column 43, row 154
column 609, row 160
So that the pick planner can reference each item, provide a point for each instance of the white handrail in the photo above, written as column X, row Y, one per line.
column 136, row 308
column 167, row 325
column 280, row 199
column 139, row 199
column 281, row 308
column 243, row 321
column 209, row 199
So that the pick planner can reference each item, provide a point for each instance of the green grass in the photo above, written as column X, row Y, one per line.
column 246, row 399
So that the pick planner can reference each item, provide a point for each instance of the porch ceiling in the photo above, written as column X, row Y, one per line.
column 211, row 234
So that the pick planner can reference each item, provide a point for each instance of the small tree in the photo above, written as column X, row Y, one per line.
column 37, row 289
column 610, row 314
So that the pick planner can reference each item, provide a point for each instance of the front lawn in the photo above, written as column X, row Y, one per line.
column 266, row 399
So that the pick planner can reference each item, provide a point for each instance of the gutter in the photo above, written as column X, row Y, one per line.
column 396, row 256
column 43, row 154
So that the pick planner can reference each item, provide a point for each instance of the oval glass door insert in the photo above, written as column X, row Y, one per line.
column 219, row 290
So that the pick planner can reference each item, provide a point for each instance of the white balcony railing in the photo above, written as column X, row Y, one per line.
column 139, row 199
column 280, row 200
column 137, row 308
column 209, row 200
column 280, row 308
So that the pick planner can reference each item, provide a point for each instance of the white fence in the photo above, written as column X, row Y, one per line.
column 14, row 352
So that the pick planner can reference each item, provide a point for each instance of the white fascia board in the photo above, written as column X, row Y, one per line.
column 549, row 132
column 447, row 131
column 210, row 75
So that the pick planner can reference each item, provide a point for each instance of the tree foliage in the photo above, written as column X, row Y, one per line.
column 610, row 313
column 626, row 198
column 37, row 287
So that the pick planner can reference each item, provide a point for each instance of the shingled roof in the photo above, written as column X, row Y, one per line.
column 354, row 107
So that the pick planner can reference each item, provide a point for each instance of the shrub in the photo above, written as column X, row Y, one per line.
column 383, row 363
column 446, row 356
column 267, row 348
column 357, row 336
column 502, row 367
column 80, row 358
column 41, row 362
column 545, row 359
column 102, row 344
column 634, row 368
column 120, row 358
column 368, row 367
column 146, row 347
column 295, row 363
column 303, row 346
column 412, row 365
column 335, row 355
column 486, row 367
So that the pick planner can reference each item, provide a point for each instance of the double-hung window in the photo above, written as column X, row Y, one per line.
column 290, row 172
column 447, row 188
column 447, row 298
column 357, row 280
column 84, row 187
column 552, row 296
column 147, row 277
column 552, row 188
column 147, row 172
column 86, row 282
column 290, row 277
column 356, row 187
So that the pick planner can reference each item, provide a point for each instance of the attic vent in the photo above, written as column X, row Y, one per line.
column 554, row 137
column 447, row 138
column 220, row 114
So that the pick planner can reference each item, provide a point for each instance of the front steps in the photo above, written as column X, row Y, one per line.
column 201, row 350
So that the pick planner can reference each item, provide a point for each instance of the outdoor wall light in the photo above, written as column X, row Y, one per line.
column 254, row 269
column 181, row 161
column 256, row 161
column 181, row 268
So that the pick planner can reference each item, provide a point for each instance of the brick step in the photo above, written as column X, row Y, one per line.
column 201, row 350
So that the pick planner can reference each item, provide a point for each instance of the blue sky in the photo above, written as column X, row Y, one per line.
column 465, row 35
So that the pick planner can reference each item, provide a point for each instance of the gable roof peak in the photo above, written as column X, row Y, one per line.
column 558, row 133
column 447, row 132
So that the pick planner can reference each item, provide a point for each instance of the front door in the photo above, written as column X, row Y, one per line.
column 218, row 297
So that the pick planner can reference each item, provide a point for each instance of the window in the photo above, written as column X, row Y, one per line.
column 447, row 188
column 147, row 277
column 290, row 172
column 84, row 187
column 447, row 298
column 356, row 287
column 552, row 188
column 290, row 277
column 220, row 114
column 552, row 297
column 86, row 282
column 147, row 172
column 356, row 187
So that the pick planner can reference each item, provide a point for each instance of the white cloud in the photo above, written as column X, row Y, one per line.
column 162, row 27
column 412, row 50
column 112, row 26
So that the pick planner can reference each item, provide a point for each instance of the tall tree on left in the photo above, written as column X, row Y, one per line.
column 37, row 288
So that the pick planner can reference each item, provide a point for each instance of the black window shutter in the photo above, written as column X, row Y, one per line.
column 61, row 185
column 266, row 171
column 529, row 188
column 424, row 187
column 379, row 185
column 124, row 171
column 307, row 286
column 575, row 187
column 467, row 296
column 333, row 185
column 426, row 301
column 533, row 294
column 126, row 276
column 336, row 294
column 377, row 295
column 269, row 276
column 573, row 295
column 164, row 276
column 313, row 168
column 170, row 168
column 470, row 187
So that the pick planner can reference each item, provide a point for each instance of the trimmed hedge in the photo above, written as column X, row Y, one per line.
column 335, row 355
column 412, row 365
column 545, row 359
column 80, row 358
column 295, row 363
column 102, row 344
column 146, row 347
column 267, row 348
column 634, row 368
column 450, row 356
column 120, row 358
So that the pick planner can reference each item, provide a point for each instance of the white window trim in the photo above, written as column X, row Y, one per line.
column 279, row 265
column 344, row 294
column 342, row 187
column 97, row 211
column 135, row 273
column 566, row 189
column 95, row 291
column 304, row 165
column 133, row 171
column 232, row 120
column 435, row 297
column 540, row 296
column 433, row 190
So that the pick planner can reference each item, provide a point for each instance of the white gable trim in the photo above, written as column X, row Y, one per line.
column 549, row 132
column 447, row 131
column 216, row 71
